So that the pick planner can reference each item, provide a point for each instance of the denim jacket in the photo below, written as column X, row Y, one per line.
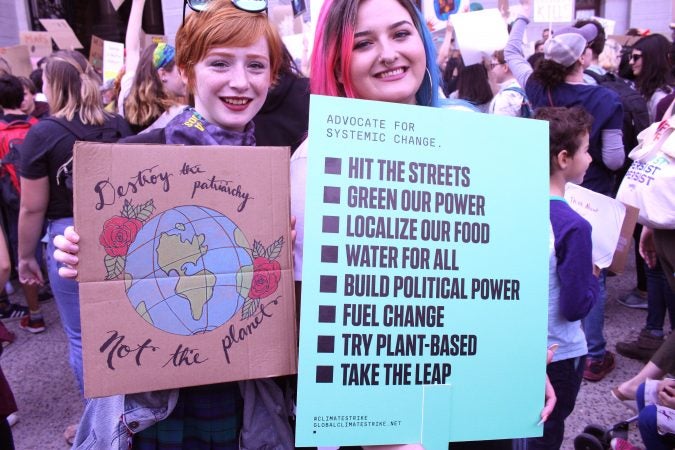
column 110, row 422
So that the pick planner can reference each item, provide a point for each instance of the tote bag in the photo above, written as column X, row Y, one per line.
column 649, row 183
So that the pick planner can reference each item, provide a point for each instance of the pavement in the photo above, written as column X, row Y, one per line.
column 37, row 368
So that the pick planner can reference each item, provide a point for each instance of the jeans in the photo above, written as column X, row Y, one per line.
column 594, row 322
column 566, row 378
column 647, row 424
column 67, row 296
column 660, row 298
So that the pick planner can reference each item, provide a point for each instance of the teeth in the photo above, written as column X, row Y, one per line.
column 236, row 101
column 391, row 73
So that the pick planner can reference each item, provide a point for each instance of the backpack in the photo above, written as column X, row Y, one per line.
column 12, row 135
column 635, row 112
column 107, row 133
column 525, row 106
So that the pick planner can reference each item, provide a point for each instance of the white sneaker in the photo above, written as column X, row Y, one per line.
column 12, row 419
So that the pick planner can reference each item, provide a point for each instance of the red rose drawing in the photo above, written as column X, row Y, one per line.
column 266, row 275
column 118, row 234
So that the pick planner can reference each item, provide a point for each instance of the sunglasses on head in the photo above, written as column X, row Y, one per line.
column 252, row 6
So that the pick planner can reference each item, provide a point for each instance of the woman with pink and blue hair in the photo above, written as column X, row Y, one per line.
column 340, row 44
column 371, row 50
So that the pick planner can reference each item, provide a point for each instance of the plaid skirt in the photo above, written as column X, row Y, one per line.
column 205, row 418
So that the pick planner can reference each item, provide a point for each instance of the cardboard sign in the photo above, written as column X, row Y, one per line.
column 18, row 58
column 113, row 59
column 96, row 53
column 553, row 10
column 479, row 34
column 63, row 35
column 188, row 277
column 149, row 39
column 425, row 274
column 613, row 223
column 625, row 40
column 39, row 43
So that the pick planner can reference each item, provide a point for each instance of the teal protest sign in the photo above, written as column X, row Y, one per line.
column 425, row 276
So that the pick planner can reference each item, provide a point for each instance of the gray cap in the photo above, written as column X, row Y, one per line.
column 588, row 31
column 568, row 44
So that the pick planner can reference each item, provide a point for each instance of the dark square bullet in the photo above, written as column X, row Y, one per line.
column 331, row 224
column 329, row 253
column 325, row 344
column 331, row 194
column 333, row 166
column 324, row 374
column 326, row 314
column 328, row 284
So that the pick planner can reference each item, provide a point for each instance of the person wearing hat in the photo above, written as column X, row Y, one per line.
column 558, row 81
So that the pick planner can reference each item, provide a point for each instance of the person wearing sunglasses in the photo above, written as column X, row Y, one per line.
column 652, row 70
column 228, row 59
column 508, row 101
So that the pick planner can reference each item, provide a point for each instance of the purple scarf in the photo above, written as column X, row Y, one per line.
column 190, row 128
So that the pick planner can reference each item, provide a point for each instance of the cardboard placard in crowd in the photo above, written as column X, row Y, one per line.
column 553, row 10
column 613, row 223
column 479, row 34
column 62, row 33
column 149, row 39
column 424, row 268
column 188, row 279
column 625, row 40
column 18, row 58
column 39, row 43
column 96, row 53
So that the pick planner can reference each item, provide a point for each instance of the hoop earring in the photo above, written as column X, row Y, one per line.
column 431, row 86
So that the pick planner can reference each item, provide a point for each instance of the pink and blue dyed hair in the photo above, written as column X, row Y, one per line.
column 334, row 43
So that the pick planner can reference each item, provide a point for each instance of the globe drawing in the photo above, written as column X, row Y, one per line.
column 188, row 270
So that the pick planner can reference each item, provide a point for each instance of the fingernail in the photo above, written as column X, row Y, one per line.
column 554, row 347
column 540, row 422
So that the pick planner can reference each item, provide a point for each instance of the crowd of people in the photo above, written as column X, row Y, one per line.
column 230, row 72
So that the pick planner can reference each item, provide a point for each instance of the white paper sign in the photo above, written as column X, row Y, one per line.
column 113, row 59
column 605, row 215
column 479, row 34
column 607, row 24
column 553, row 10
column 63, row 35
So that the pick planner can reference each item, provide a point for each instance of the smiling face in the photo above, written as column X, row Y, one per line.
column 231, row 84
column 388, row 62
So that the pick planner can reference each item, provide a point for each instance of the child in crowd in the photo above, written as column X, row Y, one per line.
column 573, row 284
